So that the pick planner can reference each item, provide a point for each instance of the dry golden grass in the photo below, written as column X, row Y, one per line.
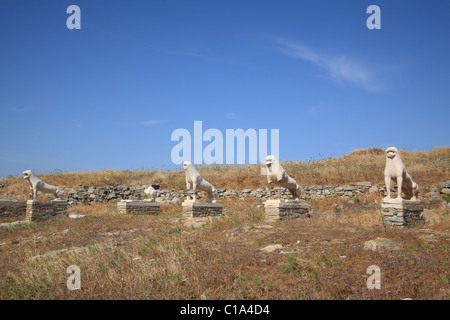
column 427, row 169
column 157, row 257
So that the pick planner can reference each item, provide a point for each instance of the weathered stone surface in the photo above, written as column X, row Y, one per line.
column 201, row 209
column 195, row 180
column 271, row 248
column 373, row 189
column 54, row 253
column 41, row 211
column 12, row 208
column 87, row 195
column 402, row 214
column 395, row 170
column 381, row 243
column 37, row 184
column 276, row 175
column 14, row 224
column 138, row 207
column 285, row 209
column 73, row 215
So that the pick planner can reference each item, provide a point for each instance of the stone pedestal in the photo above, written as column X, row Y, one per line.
column 197, row 209
column 403, row 213
column 285, row 209
column 41, row 211
column 138, row 207
column 196, row 213
column 12, row 209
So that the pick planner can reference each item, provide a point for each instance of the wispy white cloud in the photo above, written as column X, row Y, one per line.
column 143, row 43
column 152, row 122
column 338, row 68
column 231, row 116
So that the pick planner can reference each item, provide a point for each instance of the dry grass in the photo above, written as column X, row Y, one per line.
column 141, row 257
column 427, row 169
column 158, row 257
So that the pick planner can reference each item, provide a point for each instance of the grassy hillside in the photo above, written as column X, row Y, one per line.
column 163, row 257
column 427, row 169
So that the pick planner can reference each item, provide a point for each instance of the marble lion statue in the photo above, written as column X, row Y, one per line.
column 152, row 193
column 194, row 179
column 276, row 174
column 396, row 171
column 37, row 184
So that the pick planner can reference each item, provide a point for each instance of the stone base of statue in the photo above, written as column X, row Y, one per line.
column 138, row 207
column 285, row 209
column 42, row 211
column 197, row 209
column 402, row 213
column 12, row 209
column 196, row 213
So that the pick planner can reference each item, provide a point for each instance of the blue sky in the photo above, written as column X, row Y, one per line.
column 111, row 94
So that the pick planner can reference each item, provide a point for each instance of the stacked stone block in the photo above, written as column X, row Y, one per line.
column 42, row 211
column 12, row 209
column 198, row 209
column 276, row 210
column 404, row 214
column 138, row 207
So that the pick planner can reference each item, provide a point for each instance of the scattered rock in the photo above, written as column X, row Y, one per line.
column 263, row 226
column 381, row 242
column 373, row 189
column 271, row 248
column 364, row 183
column 54, row 253
column 73, row 215
column 14, row 224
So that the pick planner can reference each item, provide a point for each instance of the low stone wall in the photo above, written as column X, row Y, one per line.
column 444, row 187
column 138, row 207
column 12, row 208
column 41, row 211
column 87, row 195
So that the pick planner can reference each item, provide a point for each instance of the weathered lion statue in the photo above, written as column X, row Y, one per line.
column 198, row 183
column 276, row 174
column 37, row 184
column 152, row 193
column 395, row 170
